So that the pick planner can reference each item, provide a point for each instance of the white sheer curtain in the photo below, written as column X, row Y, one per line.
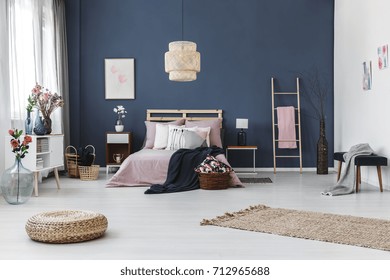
column 5, row 119
column 35, row 55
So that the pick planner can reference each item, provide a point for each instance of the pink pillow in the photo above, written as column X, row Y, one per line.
column 215, row 130
column 151, row 131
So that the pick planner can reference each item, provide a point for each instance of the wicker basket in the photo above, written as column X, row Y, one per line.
column 89, row 173
column 214, row 181
column 72, row 161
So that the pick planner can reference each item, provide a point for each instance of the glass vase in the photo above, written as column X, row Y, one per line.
column 322, row 151
column 17, row 183
column 28, row 125
column 39, row 128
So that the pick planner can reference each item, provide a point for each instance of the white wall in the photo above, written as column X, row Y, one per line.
column 362, row 26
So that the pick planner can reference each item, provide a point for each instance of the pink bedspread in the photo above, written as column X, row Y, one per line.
column 147, row 167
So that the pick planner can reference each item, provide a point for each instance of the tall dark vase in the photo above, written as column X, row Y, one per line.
column 47, row 124
column 322, row 151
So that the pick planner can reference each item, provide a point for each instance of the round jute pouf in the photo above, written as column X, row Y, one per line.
column 68, row 226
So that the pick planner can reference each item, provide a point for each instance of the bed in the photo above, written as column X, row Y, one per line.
column 150, row 165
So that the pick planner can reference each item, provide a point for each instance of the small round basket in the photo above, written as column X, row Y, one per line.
column 214, row 181
column 89, row 173
column 66, row 226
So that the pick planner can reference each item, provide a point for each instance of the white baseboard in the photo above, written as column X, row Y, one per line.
column 279, row 169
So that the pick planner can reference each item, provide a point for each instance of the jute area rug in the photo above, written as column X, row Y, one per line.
column 342, row 229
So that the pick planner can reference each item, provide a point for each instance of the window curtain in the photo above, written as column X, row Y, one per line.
column 5, row 114
column 38, row 54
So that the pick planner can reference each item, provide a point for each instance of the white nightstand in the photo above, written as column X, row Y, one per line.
column 243, row 148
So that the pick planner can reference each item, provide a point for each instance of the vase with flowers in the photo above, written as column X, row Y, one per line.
column 29, row 123
column 46, row 102
column 17, row 181
column 120, row 111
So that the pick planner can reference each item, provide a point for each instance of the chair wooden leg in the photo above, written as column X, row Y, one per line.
column 339, row 170
column 378, row 168
column 360, row 175
column 357, row 178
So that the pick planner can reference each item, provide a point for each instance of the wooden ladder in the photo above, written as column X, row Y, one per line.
column 298, row 125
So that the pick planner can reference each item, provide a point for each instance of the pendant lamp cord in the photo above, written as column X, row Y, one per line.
column 182, row 20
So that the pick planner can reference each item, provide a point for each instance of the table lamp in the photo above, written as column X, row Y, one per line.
column 241, row 136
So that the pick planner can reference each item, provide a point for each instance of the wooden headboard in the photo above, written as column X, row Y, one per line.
column 164, row 115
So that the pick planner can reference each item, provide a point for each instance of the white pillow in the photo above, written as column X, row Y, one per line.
column 161, row 138
column 175, row 139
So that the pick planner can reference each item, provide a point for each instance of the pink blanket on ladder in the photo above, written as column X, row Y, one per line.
column 286, row 127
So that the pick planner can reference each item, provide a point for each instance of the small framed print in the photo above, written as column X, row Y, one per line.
column 119, row 78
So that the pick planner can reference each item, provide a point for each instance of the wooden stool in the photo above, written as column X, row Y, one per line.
column 363, row 160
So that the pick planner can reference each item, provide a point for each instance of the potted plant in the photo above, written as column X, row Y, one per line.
column 120, row 111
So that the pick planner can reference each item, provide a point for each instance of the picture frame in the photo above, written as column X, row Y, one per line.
column 119, row 78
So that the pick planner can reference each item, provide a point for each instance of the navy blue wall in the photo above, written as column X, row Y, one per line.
column 243, row 43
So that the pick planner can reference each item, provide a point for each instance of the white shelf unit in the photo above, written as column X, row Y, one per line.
column 45, row 152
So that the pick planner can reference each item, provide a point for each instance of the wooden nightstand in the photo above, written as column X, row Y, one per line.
column 117, row 143
column 242, row 148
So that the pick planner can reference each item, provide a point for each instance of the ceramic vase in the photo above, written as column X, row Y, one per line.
column 322, row 151
column 119, row 125
column 47, row 125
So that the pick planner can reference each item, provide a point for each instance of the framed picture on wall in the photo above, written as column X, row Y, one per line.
column 119, row 78
column 367, row 75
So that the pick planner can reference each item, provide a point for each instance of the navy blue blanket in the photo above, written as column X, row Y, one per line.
column 181, row 175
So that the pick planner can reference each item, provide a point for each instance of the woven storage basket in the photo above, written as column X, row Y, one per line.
column 72, row 161
column 214, row 181
column 66, row 226
column 89, row 173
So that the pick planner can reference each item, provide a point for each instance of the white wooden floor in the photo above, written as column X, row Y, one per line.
column 166, row 226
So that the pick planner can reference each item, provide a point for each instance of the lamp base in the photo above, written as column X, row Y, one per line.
column 241, row 138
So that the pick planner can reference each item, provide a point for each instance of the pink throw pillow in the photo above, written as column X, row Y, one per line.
column 151, row 131
column 215, row 130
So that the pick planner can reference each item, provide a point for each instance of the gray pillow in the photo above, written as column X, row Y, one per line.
column 192, row 140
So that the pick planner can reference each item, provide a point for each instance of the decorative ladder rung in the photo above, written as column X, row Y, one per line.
column 285, row 93
column 288, row 156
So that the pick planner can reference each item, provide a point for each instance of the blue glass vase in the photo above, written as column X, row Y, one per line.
column 28, row 125
column 17, row 183
column 39, row 127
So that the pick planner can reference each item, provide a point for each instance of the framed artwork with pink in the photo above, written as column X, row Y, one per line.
column 383, row 57
column 119, row 78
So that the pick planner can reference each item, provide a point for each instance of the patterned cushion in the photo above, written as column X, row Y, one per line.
column 212, row 165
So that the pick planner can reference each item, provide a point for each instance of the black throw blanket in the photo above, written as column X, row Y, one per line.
column 181, row 175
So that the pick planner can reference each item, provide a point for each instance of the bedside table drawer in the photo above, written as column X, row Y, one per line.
column 118, row 138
